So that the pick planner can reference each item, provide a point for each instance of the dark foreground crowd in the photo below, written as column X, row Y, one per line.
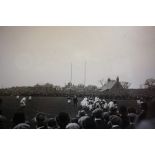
column 91, row 115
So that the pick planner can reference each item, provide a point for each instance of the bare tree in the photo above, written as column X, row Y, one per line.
column 125, row 85
column 150, row 83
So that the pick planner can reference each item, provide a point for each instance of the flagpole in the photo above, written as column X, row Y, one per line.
column 85, row 73
column 84, row 82
column 70, row 78
column 71, row 74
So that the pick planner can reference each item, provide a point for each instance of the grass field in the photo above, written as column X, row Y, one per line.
column 50, row 105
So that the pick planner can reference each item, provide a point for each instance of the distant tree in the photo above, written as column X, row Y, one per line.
column 150, row 83
column 91, row 87
column 80, row 86
column 126, row 85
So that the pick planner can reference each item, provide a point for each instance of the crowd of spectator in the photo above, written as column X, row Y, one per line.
column 93, row 113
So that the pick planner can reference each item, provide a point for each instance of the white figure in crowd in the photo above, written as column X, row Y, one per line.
column 84, row 102
column 111, row 104
column 17, row 97
column 105, row 104
column 23, row 102
column 69, row 100
column 30, row 98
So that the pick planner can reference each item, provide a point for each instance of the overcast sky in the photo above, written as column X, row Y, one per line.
column 30, row 55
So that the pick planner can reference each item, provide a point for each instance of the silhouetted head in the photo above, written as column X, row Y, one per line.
column 132, row 110
column 3, row 122
column 132, row 117
column 115, row 102
column 87, row 123
column 22, row 126
column 41, row 119
column 19, row 117
column 115, row 120
column 52, row 123
column 123, row 110
column 74, row 120
column 72, row 126
column 113, row 111
column 63, row 119
column 105, row 116
column 81, row 113
column 97, row 113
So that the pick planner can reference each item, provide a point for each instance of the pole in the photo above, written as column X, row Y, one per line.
column 71, row 74
column 70, row 79
column 84, row 77
column 85, row 73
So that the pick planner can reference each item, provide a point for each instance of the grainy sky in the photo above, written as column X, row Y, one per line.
column 30, row 55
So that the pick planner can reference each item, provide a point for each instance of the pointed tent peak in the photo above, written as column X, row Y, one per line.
column 109, row 79
column 117, row 79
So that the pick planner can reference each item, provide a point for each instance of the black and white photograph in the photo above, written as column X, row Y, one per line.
column 77, row 77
